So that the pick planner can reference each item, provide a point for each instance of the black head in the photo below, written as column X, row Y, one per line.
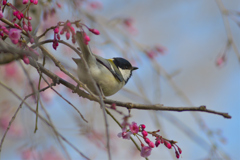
column 123, row 63
column 125, row 67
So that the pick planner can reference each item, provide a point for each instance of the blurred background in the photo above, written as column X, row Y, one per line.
column 187, row 53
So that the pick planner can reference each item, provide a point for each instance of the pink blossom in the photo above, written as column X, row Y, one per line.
column 35, row 2
column 72, row 30
column 86, row 39
column 96, row 5
column 30, row 27
column 168, row 145
column 113, row 106
column 177, row 154
column 4, row 29
column 26, row 59
column 179, row 150
column 25, row 1
column 56, row 30
column 25, row 27
column 4, row 2
column 143, row 126
column 59, row 5
column 221, row 60
column 124, row 134
column 14, row 35
column 134, row 128
column 144, row 133
column 17, row 26
column 18, row 16
column 147, row 140
column 151, row 54
column 162, row 50
column 157, row 143
column 128, row 23
column 94, row 31
column 146, row 151
column 67, row 35
column 151, row 144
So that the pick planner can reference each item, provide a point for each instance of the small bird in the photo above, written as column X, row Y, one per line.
column 110, row 74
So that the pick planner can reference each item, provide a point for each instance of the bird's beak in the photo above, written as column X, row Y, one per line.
column 134, row 68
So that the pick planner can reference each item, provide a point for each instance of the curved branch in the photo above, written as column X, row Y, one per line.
column 157, row 107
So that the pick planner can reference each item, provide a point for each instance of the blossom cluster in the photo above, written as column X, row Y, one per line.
column 155, row 51
column 22, row 24
column 69, row 30
column 134, row 129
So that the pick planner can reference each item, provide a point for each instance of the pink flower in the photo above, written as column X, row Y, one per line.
column 128, row 23
column 124, row 134
column 147, row 140
column 221, row 60
column 179, row 150
column 143, row 126
column 56, row 30
column 113, row 106
column 162, row 50
column 26, row 59
column 35, row 2
column 59, row 5
column 4, row 2
column 14, row 35
column 177, row 154
column 68, row 35
column 134, row 128
column 151, row 54
column 86, row 38
column 25, row 1
column 151, row 144
column 94, row 31
column 144, row 133
column 96, row 5
column 168, row 145
column 146, row 151
column 157, row 143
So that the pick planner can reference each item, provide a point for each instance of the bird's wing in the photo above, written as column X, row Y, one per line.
column 111, row 67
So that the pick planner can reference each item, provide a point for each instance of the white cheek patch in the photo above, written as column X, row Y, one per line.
column 125, row 73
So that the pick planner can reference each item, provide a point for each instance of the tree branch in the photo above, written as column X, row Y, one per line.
column 157, row 107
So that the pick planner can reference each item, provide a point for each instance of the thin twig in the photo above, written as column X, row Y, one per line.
column 224, row 11
column 10, row 123
column 42, row 118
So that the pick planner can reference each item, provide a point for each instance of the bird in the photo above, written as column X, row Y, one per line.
column 110, row 75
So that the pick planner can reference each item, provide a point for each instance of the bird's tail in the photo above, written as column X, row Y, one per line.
column 80, row 37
